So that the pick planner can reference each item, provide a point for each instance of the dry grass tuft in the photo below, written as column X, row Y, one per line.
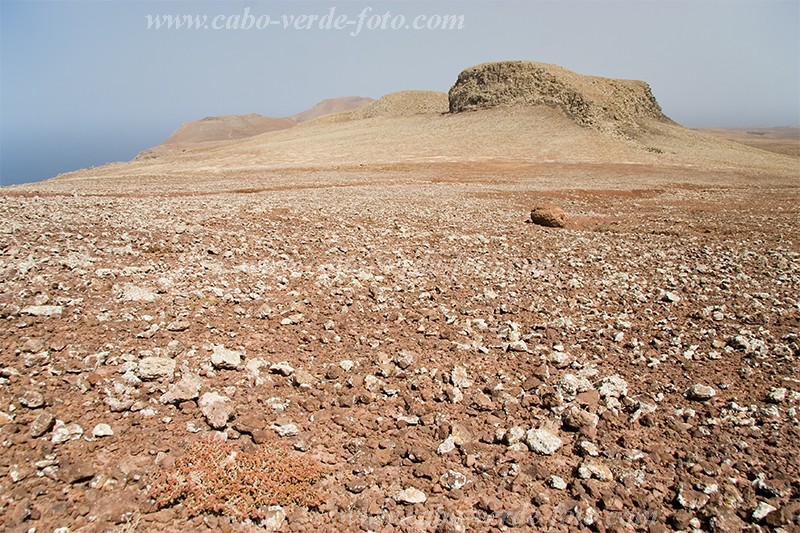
column 215, row 476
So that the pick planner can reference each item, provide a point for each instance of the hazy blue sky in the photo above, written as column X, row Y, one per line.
column 84, row 83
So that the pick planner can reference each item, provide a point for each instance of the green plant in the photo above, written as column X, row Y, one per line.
column 215, row 476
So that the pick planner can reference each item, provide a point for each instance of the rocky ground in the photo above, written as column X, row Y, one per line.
column 456, row 368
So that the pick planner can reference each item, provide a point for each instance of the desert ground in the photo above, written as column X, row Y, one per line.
column 367, row 293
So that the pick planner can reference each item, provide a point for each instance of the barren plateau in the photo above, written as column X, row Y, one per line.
column 365, row 290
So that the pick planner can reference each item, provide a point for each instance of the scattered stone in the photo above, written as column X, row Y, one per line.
column 64, row 432
column 557, row 483
column 224, row 358
column 592, row 468
column 542, row 441
column 447, row 446
column 102, row 430
column 410, row 496
column 216, row 408
column 670, row 297
column 762, row 510
column 43, row 423
column 178, row 325
column 187, row 388
column 151, row 368
column 458, row 377
column 286, row 430
column 75, row 472
column 613, row 386
column 691, row 499
column 700, row 393
column 452, row 480
column 32, row 399
column 273, row 519
column 134, row 293
column 43, row 310
column 576, row 419
column 777, row 395
column 283, row 368
column 549, row 215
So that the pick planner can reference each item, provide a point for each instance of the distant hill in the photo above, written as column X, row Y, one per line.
column 330, row 106
column 232, row 127
column 226, row 128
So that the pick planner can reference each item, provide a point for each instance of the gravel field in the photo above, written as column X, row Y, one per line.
column 451, row 366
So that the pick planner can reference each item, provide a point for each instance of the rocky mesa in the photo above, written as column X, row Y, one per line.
column 605, row 104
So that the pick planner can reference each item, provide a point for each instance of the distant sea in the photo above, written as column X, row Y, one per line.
column 27, row 161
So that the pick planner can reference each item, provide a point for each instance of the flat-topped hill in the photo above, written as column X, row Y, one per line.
column 605, row 104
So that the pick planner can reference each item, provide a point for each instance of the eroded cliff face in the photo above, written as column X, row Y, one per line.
column 605, row 104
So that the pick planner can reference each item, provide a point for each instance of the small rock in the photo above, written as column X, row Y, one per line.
column 283, row 368
column 178, row 325
column 700, row 393
column 216, row 408
column 458, row 377
column 670, row 297
column 542, row 441
column 549, row 215
column 43, row 310
column 303, row 379
column 187, row 388
column 461, row 435
column 151, row 368
column 102, row 430
column 777, row 395
column 133, row 293
column 592, row 468
column 63, row 432
column 762, row 510
column 613, row 386
column 557, row 482
column 410, row 496
column 691, row 499
column 577, row 419
column 32, row 400
column 286, row 430
column 273, row 518
column 452, row 480
column 75, row 472
column 447, row 446
column 223, row 358
column 42, row 424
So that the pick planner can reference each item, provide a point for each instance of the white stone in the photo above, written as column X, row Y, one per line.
column 762, row 510
column 613, row 386
column 224, row 358
column 542, row 441
column 216, row 408
column 102, row 430
column 187, row 388
column 410, row 495
column 43, row 310
column 447, row 446
column 458, row 377
column 452, row 480
column 133, row 293
column 283, row 368
column 286, row 430
column 64, row 432
column 156, row 368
